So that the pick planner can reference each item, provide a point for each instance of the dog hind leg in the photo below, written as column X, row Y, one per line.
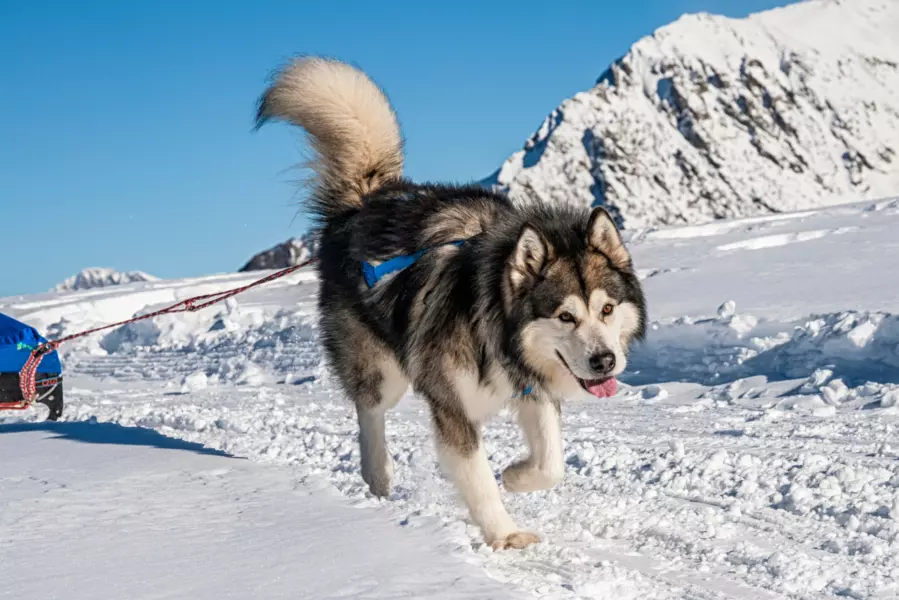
column 371, row 376
column 371, row 407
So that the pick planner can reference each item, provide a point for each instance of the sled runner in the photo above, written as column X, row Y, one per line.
column 18, row 343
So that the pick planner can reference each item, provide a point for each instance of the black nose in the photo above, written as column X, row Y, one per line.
column 602, row 362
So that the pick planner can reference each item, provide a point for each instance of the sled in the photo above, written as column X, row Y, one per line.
column 18, row 342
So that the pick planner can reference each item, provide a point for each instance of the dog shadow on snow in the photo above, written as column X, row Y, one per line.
column 109, row 433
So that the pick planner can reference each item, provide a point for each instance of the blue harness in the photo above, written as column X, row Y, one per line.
column 374, row 273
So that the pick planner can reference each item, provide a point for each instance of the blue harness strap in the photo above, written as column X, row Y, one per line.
column 374, row 273
column 525, row 392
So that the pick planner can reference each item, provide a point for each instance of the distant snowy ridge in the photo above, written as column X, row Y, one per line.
column 286, row 254
column 711, row 117
column 96, row 277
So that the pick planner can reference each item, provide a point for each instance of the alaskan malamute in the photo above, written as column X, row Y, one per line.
column 477, row 302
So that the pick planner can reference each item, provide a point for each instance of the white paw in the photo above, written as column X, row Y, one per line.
column 379, row 478
column 514, row 541
column 523, row 477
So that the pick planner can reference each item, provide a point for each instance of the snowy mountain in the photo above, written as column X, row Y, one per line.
column 96, row 277
column 711, row 117
column 286, row 254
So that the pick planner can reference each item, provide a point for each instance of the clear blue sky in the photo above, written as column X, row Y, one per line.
column 125, row 127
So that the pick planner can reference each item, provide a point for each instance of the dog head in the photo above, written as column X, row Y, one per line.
column 577, row 304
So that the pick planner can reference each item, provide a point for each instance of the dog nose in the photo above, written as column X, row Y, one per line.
column 602, row 362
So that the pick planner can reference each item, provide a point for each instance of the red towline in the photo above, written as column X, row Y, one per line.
column 27, row 374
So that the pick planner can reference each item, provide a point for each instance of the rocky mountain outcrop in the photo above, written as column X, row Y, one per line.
column 286, row 254
column 711, row 117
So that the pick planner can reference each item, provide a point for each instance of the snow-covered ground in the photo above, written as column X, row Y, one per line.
column 99, row 510
column 751, row 452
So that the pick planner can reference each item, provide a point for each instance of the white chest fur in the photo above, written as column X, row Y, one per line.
column 484, row 399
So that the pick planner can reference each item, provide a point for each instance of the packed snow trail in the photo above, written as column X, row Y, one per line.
column 750, row 453
column 104, row 511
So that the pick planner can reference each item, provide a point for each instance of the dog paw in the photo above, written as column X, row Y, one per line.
column 522, row 477
column 515, row 541
column 380, row 488
column 380, row 481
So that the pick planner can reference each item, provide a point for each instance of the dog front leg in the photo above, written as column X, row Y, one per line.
column 463, row 457
column 544, row 468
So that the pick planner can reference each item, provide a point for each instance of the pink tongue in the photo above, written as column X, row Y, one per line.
column 602, row 388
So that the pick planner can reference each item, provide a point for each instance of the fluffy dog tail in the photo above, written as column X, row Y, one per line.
column 352, row 130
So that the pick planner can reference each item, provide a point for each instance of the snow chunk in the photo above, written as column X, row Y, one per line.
column 727, row 310
column 654, row 392
column 194, row 383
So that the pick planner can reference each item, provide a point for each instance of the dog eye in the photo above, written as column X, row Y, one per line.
column 607, row 309
column 566, row 317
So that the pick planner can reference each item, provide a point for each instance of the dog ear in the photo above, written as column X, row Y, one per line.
column 530, row 255
column 603, row 236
